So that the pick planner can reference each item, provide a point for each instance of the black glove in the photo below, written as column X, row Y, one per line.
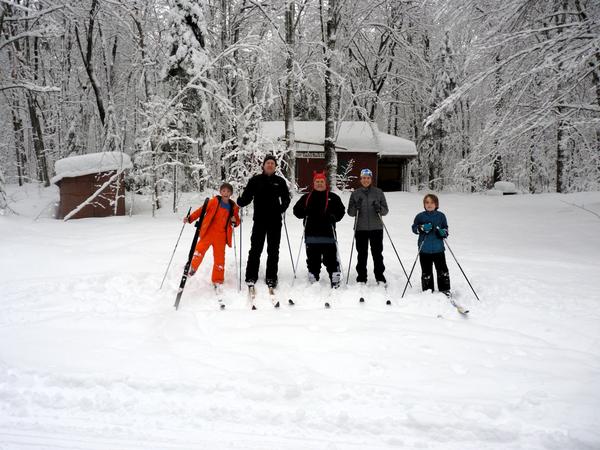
column 280, row 204
column 377, row 207
column 359, row 204
column 331, row 218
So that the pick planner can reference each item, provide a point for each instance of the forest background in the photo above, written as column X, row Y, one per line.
column 488, row 90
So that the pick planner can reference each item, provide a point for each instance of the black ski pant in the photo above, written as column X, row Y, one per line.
column 428, row 260
column 326, row 254
column 363, row 239
column 271, row 230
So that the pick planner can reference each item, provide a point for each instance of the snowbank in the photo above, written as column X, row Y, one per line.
column 76, row 166
column 94, row 356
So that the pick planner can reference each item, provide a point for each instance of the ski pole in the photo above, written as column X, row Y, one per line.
column 461, row 269
column 241, row 234
column 186, row 269
column 412, row 268
column 337, row 251
column 300, row 248
column 173, row 254
column 395, row 251
column 237, row 275
column 352, row 248
column 288, row 243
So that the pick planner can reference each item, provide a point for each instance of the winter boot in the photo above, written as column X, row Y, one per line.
column 335, row 279
column 443, row 282
column 271, row 282
column 312, row 278
column 427, row 282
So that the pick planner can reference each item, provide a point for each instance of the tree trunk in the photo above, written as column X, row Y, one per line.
column 331, row 91
column 19, row 144
column 87, row 59
column 561, row 154
column 38, row 141
column 561, row 134
column 290, row 136
column 497, row 168
column 3, row 200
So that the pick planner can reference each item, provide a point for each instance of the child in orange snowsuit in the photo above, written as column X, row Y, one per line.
column 216, row 231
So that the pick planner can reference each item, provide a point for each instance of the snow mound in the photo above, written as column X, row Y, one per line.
column 506, row 187
column 76, row 166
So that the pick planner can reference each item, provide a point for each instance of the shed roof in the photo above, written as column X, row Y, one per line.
column 352, row 137
column 77, row 166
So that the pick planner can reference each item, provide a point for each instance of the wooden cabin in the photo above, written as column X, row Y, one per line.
column 358, row 143
column 95, row 178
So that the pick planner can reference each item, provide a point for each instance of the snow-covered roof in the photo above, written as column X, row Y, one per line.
column 76, row 166
column 352, row 137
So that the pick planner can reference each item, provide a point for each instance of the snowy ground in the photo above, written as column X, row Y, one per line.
column 93, row 355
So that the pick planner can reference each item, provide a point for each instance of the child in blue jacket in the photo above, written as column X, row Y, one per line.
column 432, row 227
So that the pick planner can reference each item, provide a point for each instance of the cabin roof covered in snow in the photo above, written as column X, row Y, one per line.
column 77, row 166
column 352, row 137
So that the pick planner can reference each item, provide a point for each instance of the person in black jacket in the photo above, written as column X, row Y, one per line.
column 321, row 209
column 271, row 198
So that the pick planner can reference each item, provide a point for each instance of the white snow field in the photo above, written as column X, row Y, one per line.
column 94, row 356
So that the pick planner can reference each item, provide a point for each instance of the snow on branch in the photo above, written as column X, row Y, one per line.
column 41, row 33
column 29, row 87
column 35, row 15
column 592, row 108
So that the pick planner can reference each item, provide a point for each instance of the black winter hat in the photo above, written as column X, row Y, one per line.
column 269, row 157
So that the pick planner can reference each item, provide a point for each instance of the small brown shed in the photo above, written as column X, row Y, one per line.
column 94, row 183
column 360, row 142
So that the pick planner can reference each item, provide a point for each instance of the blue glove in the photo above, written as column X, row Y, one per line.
column 426, row 227
column 442, row 232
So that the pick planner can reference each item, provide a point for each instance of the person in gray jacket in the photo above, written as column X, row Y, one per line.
column 368, row 204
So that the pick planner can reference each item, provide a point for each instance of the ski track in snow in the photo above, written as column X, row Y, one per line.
column 93, row 355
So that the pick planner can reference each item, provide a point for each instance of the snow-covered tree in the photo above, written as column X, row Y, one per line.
column 509, row 92
column 3, row 200
column 433, row 156
column 533, row 76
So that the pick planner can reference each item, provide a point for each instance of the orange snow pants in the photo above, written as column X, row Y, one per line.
column 217, row 241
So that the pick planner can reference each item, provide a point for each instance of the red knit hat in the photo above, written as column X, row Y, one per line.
column 319, row 176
